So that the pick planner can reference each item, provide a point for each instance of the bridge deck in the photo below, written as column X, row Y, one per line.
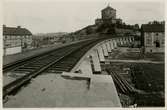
column 52, row 90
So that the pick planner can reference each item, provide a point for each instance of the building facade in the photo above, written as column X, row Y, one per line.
column 108, row 13
column 16, row 39
column 153, row 37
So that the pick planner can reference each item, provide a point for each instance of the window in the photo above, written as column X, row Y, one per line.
column 148, row 41
column 18, row 37
column 157, row 34
column 157, row 44
column 163, row 42
column 7, row 37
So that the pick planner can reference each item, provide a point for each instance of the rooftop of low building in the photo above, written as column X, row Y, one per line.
column 15, row 31
column 153, row 27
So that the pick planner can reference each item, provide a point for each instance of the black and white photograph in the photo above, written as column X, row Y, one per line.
column 83, row 54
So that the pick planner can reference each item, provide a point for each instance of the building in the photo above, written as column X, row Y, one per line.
column 108, row 15
column 153, row 37
column 16, row 39
column 109, row 24
column 98, row 21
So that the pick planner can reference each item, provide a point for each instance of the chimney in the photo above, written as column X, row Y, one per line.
column 4, row 25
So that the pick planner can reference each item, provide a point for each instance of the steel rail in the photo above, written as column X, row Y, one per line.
column 16, row 84
column 10, row 66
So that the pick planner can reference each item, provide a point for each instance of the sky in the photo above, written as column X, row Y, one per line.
column 63, row 16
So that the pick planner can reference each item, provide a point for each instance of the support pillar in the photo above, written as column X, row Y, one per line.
column 118, row 42
column 112, row 44
column 96, row 61
column 125, row 40
column 130, row 39
column 105, row 50
column 108, row 46
column 100, row 53
column 121, row 41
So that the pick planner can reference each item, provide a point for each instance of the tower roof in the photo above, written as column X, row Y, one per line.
column 108, row 8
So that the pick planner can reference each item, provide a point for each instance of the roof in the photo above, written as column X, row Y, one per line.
column 108, row 8
column 153, row 27
column 15, row 31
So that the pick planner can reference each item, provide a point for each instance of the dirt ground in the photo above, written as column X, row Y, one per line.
column 147, row 77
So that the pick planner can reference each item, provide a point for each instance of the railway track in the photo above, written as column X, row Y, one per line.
column 56, row 61
column 121, row 83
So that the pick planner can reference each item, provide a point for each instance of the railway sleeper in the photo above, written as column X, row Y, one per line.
column 61, row 69
column 29, row 67
column 68, row 62
column 60, row 66
column 66, row 65
column 18, row 74
column 46, row 61
column 35, row 64
column 54, row 71
column 23, row 70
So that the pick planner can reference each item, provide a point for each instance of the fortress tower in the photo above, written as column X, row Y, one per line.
column 108, row 13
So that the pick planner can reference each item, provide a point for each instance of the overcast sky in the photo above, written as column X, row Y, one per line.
column 44, row 17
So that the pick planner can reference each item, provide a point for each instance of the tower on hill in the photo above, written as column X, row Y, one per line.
column 108, row 13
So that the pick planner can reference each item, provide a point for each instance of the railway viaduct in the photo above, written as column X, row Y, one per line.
column 87, row 67
column 90, row 62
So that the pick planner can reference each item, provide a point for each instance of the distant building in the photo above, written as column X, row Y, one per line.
column 115, row 25
column 119, row 21
column 16, row 39
column 110, row 24
column 98, row 21
column 153, row 37
column 108, row 13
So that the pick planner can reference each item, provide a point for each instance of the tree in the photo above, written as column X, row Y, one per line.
column 89, row 30
column 156, row 22
column 136, row 26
